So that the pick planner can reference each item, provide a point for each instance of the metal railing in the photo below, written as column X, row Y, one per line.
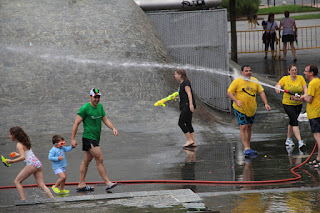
column 251, row 41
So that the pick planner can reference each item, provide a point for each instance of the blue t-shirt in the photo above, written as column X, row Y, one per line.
column 54, row 154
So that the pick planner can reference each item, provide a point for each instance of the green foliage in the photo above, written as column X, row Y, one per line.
column 243, row 7
column 304, row 17
column 290, row 8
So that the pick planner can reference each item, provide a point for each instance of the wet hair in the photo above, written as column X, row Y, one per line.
column 245, row 66
column 20, row 136
column 286, row 13
column 57, row 138
column 269, row 16
column 290, row 66
column 314, row 69
column 182, row 72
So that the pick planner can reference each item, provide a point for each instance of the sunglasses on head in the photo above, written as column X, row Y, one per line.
column 61, row 143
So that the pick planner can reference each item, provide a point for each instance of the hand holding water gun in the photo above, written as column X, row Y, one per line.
column 4, row 161
column 162, row 101
column 286, row 91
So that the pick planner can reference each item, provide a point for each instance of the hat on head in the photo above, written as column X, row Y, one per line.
column 94, row 92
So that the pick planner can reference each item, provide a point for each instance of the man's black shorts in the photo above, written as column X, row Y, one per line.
column 315, row 125
column 86, row 144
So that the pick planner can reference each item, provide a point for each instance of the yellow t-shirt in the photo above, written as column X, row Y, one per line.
column 313, row 108
column 293, row 87
column 245, row 91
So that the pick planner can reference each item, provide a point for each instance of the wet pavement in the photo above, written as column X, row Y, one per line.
column 149, row 145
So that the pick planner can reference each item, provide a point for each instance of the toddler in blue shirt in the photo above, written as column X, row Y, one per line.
column 59, row 162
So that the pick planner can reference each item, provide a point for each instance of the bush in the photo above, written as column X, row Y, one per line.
column 244, row 7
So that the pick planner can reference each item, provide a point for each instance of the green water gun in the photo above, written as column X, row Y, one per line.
column 163, row 100
column 4, row 161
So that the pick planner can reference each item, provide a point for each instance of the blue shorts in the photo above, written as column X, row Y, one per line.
column 243, row 119
column 57, row 171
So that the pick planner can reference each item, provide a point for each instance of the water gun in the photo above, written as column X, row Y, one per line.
column 163, row 100
column 295, row 94
column 4, row 161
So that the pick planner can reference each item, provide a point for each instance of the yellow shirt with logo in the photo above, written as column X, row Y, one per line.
column 313, row 108
column 293, row 87
column 245, row 91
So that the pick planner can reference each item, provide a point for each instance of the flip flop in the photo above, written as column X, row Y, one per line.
column 190, row 145
column 86, row 188
column 311, row 163
column 111, row 185
column 316, row 166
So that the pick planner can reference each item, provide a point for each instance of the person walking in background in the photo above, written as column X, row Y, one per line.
column 242, row 91
column 312, row 97
column 293, row 83
column 187, row 106
column 59, row 162
column 33, row 164
column 270, row 28
column 289, row 34
column 92, row 114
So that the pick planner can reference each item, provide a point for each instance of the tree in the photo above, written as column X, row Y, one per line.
column 243, row 7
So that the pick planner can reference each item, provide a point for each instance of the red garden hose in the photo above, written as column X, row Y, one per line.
column 297, row 177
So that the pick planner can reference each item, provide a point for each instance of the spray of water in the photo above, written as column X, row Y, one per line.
column 234, row 74
column 264, row 84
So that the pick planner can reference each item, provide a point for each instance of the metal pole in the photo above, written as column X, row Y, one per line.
column 232, row 15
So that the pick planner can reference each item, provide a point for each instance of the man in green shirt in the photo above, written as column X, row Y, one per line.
column 92, row 114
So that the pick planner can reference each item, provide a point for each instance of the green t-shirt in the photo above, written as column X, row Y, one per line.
column 92, row 118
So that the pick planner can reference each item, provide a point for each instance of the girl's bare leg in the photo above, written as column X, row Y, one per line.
column 24, row 174
column 39, row 179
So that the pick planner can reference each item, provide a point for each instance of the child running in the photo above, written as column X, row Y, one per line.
column 59, row 162
column 33, row 164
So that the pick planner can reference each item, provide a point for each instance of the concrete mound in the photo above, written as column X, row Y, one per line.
column 53, row 52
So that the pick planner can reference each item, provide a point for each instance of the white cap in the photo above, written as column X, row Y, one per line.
column 94, row 92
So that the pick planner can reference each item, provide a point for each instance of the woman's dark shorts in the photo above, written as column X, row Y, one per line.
column 315, row 125
column 288, row 38
column 86, row 144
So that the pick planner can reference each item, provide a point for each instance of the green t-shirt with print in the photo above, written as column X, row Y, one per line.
column 92, row 119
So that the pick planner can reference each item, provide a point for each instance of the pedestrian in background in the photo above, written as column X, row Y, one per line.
column 270, row 35
column 289, row 34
